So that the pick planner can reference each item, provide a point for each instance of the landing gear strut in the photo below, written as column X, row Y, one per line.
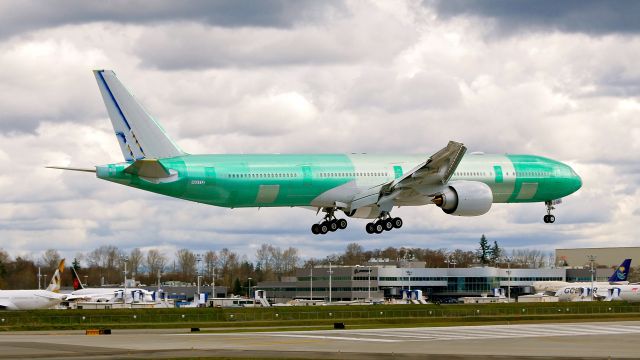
column 384, row 223
column 549, row 219
column 329, row 223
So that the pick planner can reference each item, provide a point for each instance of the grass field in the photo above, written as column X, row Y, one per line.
column 316, row 316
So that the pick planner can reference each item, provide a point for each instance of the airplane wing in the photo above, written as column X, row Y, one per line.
column 438, row 168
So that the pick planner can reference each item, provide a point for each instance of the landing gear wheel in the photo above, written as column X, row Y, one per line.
column 378, row 228
column 549, row 219
column 315, row 229
column 370, row 228
column 342, row 224
column 397, row 222
column 324, row 228
column 387, row 224
column 333, row 225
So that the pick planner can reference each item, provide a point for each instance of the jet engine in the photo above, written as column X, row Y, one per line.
column 465, row 198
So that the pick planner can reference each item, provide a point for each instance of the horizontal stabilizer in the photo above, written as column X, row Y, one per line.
column 148, row 168
column 71, row 169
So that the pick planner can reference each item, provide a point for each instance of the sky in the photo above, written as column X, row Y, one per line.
column 557, row 79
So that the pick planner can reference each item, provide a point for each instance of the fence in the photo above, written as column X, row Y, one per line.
column 142, row 317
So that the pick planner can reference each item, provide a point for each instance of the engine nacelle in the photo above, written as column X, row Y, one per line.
column 465, row 198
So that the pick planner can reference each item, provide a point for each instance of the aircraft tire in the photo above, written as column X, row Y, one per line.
column 342, row 224
column 397, row 222
column 378, row 227
column 315, row 229
column 387, row 224
column 552, row 219
column 333, row 225
column 546, row 219
column 324, row 228
column 370, row 228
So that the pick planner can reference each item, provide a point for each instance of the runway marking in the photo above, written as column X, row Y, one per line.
column 397, row 335
column 459, row 333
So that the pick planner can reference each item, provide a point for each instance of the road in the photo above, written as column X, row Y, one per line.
column 528, row 341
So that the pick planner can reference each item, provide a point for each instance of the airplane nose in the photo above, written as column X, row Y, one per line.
column 576, row 180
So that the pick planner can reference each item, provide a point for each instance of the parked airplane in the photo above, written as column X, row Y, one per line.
column 619, row 276
column 629, row 292
column 361, row 186
column 34, row 299
column 106, row 294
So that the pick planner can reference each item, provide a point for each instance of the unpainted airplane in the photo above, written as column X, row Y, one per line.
column 360, row 185
column 34, row 299
column 106, row 294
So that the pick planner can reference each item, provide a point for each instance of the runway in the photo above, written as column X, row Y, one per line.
column 562, row 341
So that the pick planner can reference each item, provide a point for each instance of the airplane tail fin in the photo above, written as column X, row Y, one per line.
column 139, row 135
column 54, row 285
column 77, row 284
column 621, row 273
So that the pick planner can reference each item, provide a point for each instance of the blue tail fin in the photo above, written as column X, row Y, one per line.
column 622, row 272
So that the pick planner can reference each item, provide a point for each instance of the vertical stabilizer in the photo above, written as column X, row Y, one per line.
column 621, row 273
column 54, row 285
column 77, row 284
column 138, row 134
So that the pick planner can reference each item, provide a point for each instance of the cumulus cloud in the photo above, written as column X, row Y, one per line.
column 23, row 16
column 587, row 16
column 376, row 77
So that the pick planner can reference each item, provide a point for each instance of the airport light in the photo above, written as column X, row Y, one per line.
column 508, row 261
column 369, row 289
column 592, row 259
column 45, row 279
column 86, row 282
column 311, row 284
column 39, row 278
column 409, row 279
column 330, row 272
column 248, row 286
column 198, row 260
column 124, row 296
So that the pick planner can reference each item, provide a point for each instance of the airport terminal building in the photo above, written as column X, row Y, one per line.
column 378, row 281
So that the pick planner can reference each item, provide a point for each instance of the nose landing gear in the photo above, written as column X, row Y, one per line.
column 329, row 223
column 549, row 219
column 384, row 223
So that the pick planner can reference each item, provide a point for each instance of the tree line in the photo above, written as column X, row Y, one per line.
column 106, row 264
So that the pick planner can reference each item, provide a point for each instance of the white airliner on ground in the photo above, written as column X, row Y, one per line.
column 107, row 294
column 619, row 276
column 34, row 299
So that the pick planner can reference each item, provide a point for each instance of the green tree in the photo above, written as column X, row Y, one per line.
column 484, row 251
column 76, row 264
column 237, row 287
column 495, row 253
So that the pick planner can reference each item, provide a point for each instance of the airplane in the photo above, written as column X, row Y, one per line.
column 581, row 291
column 34, row 299
column 628, row 292
column 105, row 294
column 360, row 185
column 619, row 276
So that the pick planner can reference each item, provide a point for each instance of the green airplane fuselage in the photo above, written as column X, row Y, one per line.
column 272, row 180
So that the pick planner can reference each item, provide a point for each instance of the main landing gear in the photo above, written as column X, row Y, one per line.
column 549, row 219
column 384, row 223
column 329, row 223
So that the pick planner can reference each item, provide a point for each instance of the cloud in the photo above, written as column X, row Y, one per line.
column 591, row 16
column 23, row 16
column 388, row 77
